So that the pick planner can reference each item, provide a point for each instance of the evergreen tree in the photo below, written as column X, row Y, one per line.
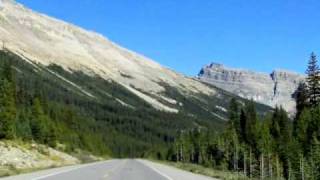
column 275, row 130
column 301, row 97
column 38, row 122
column 301, row 128
column 285, row 125
column 7, row 110
column 265, row 147
column 234, row 116
column 51, row 137
column 314, row 125
column 281, row 132
column 315, row 159
column 23, row 129
column 243, row 125
column 313, row 81
column 251, row 124
column 7, row 102
column 232, row 148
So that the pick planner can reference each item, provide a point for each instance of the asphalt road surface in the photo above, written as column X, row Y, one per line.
column 113, row 170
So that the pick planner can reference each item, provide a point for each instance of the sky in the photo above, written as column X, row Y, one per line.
column 185, row 35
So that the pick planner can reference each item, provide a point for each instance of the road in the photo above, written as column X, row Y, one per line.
column 112, row 170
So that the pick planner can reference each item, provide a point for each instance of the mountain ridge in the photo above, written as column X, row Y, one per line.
column 42, row 39
column 97, row 96
column 274, row 89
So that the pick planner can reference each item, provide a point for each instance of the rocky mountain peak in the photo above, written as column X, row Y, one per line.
column 276, row 88
column 285, row 75
column 44, row 40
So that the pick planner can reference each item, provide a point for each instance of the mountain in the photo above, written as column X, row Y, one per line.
column 41, row 39
column 276, row 88
column 94, row 95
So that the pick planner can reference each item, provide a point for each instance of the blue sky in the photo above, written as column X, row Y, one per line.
column 187, row 34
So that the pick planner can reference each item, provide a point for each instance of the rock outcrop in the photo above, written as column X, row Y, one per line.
column 272, row 89
column 45, row 40
column 15, row 157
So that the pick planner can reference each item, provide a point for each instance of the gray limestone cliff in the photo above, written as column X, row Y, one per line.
column 272, row 89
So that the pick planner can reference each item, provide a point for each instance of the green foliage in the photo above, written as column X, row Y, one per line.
column 234, row 115
column 23, row 125
column 313, row 81
column 251, row 124
column 265, row 143
column 301, row 96
column 36, row 104
column 7, row 102
column 7, row 110
column 302, row 126
column 315, row 158
column 51, row 110
column 38, row 127
column 271, row 148
column 262, row 148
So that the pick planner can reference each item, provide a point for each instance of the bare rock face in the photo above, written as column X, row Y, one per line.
column 41, row 39
column 272, row 89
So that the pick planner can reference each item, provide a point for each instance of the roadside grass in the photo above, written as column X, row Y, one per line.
column 198, row 169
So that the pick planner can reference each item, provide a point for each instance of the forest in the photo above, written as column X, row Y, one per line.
column 274, row 146
column 257, row 141
column 39, row 104
column 36, row 106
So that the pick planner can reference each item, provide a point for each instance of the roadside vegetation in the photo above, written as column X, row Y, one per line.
column 269, row 147
column 36, row 106
column 21, row 157
column 51, row 105
column 206, row 170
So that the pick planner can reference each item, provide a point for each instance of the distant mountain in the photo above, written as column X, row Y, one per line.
column 276, row 88
column 118, row 98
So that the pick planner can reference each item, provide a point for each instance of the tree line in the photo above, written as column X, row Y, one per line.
column 20, row 119
column 37, row 106
column 273, row 146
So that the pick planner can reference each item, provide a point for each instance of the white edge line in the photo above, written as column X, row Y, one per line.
column 156, row 170
column 67, row 170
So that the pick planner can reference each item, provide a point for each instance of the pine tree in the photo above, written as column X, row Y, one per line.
column 315, row 158
column 243, row 126
column 313, row 126
column 301, row 127
column 301, row 97
column 264, row 146
column 232, row 133
column 38, row 122
column 234, row 116
column 285, row 125
column 23, row 129
column 251, row 124
column 7, row 102
column 281, row 132
column 313, row 81
column 51, row 137
column 279, row 125
column 7, row 110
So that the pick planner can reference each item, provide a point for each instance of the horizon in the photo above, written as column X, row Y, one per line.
column 186, row 50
